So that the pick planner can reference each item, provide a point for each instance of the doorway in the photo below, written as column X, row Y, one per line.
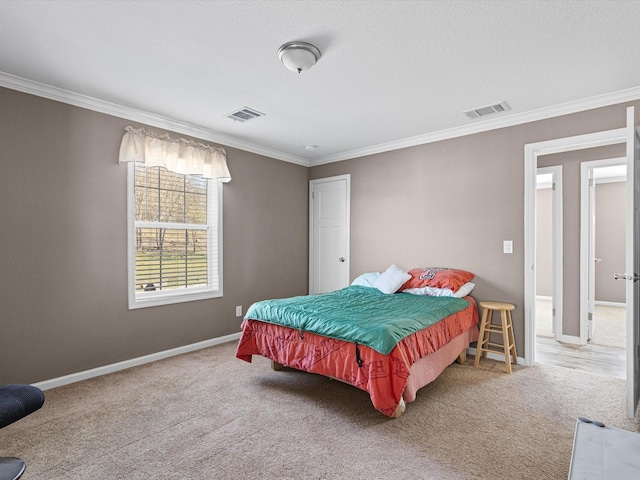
column 599, row 344
column 629, row 136
column 532, row 153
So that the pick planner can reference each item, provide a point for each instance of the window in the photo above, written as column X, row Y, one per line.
column 175, row 236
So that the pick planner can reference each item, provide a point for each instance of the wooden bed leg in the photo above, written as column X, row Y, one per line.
column 400, row 409
column 462, row 358
column 276, row 366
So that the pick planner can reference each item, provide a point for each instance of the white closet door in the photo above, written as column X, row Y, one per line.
column 329, row 233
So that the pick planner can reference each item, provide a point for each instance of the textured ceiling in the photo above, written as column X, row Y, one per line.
column 390, row 71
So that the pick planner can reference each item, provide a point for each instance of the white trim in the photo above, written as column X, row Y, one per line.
column 586, row 244
column 611, row 304
column 544, row 186
column 598, row 101
column 600, row 181
column 557, row 249
column 65, row 96
column 531, row 153
column 147, row 118
column 544, row 297
column 572, row 339
column 471, row 351
column 558, row 252
column 134, row 362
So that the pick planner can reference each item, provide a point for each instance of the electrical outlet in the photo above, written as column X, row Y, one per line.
column 239, row 311
column 507, row 246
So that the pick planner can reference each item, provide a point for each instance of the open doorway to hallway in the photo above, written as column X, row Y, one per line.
column 603, row 350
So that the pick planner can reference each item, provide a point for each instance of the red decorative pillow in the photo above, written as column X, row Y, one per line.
column 450, row 278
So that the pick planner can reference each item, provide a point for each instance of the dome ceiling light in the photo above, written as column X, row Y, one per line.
column 298, row 56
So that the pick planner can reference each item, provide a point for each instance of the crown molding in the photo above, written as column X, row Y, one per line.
column 83, row 101
column 65, row 96
column 590, row 103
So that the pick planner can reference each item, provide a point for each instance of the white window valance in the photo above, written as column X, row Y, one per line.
column 176, row 155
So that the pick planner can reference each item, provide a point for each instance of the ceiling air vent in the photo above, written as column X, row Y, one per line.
column 488, row 110
column 244, row 114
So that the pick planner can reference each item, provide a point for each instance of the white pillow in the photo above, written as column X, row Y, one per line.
column 391, row 280
column 429, row 291
column 366, row 279
column 463, row 291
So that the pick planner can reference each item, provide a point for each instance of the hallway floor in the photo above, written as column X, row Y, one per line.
column 605, row 354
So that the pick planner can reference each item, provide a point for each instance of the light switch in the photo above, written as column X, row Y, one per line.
column 507, row 246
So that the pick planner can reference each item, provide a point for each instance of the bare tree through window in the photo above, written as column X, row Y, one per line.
column 171, row 229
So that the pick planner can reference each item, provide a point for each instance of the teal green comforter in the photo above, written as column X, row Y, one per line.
column 358, row 314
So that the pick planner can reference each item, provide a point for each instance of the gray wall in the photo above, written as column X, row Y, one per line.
column 611, row 208
column 63, row 237
column 610, row 241
column 453, row 202
column 63, row 285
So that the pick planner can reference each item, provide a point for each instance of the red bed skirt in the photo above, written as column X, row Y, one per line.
column 383, row 376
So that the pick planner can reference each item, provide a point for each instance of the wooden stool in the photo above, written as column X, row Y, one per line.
column 508, row 345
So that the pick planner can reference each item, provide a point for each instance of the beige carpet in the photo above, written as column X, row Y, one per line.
column 207, row 415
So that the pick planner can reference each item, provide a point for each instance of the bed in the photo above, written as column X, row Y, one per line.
column 389, row 338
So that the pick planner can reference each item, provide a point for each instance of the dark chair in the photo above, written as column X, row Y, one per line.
column 16, row 402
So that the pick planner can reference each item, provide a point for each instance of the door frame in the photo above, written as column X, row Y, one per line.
column 556, row 247
column 587, row 264
column 312, row 183
column 531, row 153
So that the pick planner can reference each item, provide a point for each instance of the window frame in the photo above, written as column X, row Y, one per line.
column 168, row 297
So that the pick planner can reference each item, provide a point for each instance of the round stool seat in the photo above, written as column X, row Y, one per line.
column 500, row 306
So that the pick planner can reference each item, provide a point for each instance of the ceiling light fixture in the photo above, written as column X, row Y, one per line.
column 298, row 56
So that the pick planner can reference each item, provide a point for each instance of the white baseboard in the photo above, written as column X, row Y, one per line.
column 572, row 339
column 134, row 362
column 493, row 356
column 611, row 304
column 597, row 302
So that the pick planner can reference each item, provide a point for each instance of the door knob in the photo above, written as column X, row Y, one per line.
column 341, row 259
column 623, row 276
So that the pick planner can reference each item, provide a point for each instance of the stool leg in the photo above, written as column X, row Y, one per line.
column 505, row 339
column 487, row 333
column 481, row 339
column 512, row 340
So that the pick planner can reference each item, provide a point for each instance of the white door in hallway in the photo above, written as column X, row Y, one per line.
column 329, row 209
column 631, row 276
